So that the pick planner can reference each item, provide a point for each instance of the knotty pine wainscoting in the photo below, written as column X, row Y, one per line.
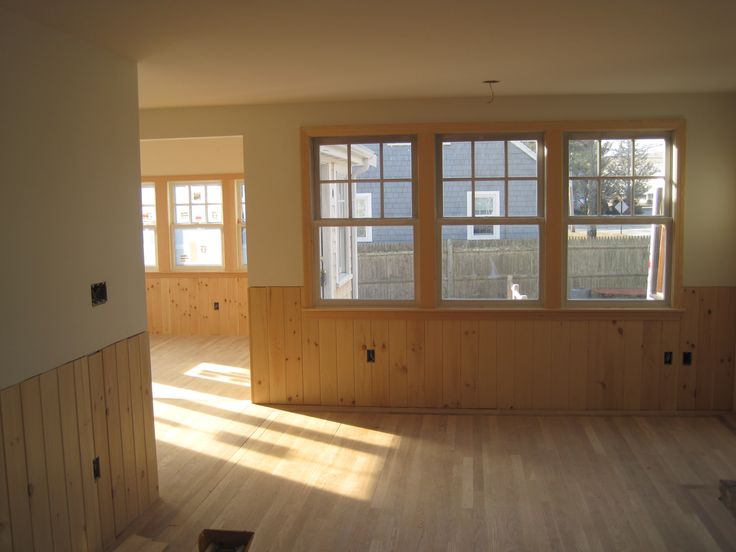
column 183, row 303
column 527, row 361
column 54, row 426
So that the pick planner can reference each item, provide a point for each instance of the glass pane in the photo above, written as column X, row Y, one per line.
column 649, row 157
column 333, row 162
column 397, row 160
column 522, row 158
column 367, row 200
column 501, row 266
column 214, row 193
column 397, row 199
column 198, row 246
column 649, row 196
column 584, row 197
column 616, row 197
column 455, row 159
column 616, row 262
column 380, row 268
column 148, row 195
column 334, row 200
column 489, row 159
column 198, row 194
column 199, row 214
column 149, row 214
column 455, row 202
column 616, row 157
column 181, row 194
column 366, row 161
column 149, row 247
column 494, row 189
column 523, row 198
column 214, row 214
column 583, row 157
column 243, row 247
column 182, row 214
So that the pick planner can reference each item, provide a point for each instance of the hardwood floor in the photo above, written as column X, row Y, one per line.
column 380, row 481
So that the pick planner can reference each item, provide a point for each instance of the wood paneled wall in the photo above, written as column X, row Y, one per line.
column 544, row 362
column 53, row 427
column 181, row 304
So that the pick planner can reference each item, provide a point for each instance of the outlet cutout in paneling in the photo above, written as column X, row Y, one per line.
column 99, row 293
column 370, row 355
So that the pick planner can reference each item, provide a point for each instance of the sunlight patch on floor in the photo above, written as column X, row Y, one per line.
column 220, row 373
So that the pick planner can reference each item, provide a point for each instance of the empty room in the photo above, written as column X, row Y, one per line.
column 386, row 276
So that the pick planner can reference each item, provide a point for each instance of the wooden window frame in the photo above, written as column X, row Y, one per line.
column 242, row 223
column 552, row 254
column 148, row 226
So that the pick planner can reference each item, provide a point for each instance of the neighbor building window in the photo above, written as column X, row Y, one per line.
column 148, row 211
column 491, row 205
column 364, row 218
column 197, row 224
column 242, row 232
column 619, row 217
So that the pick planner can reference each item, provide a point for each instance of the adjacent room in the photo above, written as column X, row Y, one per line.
column 398, row 276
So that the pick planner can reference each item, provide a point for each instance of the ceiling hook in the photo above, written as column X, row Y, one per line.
column 490, row 84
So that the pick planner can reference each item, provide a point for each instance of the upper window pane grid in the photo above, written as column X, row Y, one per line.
column 198, row 203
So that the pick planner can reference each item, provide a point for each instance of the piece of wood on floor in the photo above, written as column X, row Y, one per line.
column 136, row 543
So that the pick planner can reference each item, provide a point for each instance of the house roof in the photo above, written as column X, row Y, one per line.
column 233, row 52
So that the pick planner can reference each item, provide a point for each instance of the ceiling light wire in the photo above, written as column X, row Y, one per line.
column 490, row 84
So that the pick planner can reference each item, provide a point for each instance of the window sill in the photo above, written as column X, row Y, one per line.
column 197, row 274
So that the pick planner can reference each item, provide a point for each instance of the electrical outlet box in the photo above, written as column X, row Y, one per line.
column 370, row 355
column 96, row 468
column 99, row 293
column 687, row 358
column 668, row 357
column 216, row 305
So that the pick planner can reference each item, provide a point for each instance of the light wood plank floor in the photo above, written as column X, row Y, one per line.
column 376, row 481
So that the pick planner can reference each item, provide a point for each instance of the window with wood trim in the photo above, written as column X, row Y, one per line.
column 619, row 217
column 148, row 213
column 490, row 217
column 364, row 219
column 197, row 224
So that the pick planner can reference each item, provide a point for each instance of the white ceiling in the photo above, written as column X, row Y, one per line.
column 210, row 52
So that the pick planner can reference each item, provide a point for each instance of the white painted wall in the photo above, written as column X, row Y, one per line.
column 69, row 174
column 272, row 161
column 211, row 155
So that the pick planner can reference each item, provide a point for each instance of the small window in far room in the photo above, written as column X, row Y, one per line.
column 197, row 224
column 148, row 211
column 242, row 232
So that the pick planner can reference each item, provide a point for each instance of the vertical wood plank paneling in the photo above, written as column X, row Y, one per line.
column 578, row 366
column 276, row 365
column 137, row 414
column 398, row 377
column 36, row 462
column 6, row 534
column 668, row 373
column 469, row 358
column 451, row 359
column 651, row 364
column 541, row 365
column 505, row 364
column 433, row 363
column 54, row 450
column 148, row 418
column 613, row 395
column 487, row 364
column 380, row 369
column 523, row 363
column 596, row 365
column 166, row 302
column 15, row 468
column 633, row 350
column 293, row 344
column 559, row 389
column 126, row 430
column 101, row 444
column 345, row 369
column 363, row 377
column 706, row 350
column 310, row 361
column 686, row 375
column 328, row 362
column 111, row 405
column 415, row 363
column 259, row 371
column 723, row 376
column 72, row 463
column 243, row 314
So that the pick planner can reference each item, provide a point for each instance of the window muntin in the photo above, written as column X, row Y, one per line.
column 242, row 232
column 197, row 224
column 491, row 225
column 148, row 213
column 619, row 218
column 371, row 180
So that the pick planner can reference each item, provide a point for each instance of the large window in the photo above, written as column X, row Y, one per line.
column 364, row 219
column 619, row 217
column 148, row 212
column 197, row 224
column 491, row 192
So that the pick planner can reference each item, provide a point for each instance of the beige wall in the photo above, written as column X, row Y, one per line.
column 271, row 143
column 70, row 199
column 211, row 155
